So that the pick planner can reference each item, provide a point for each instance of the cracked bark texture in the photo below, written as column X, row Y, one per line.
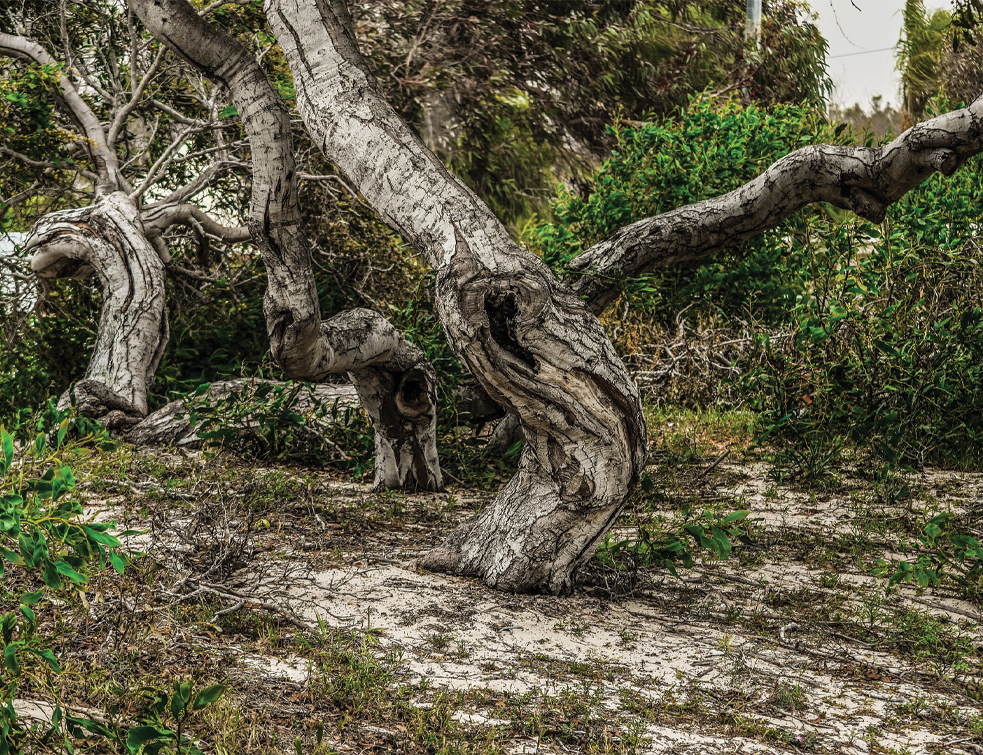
column 864, row 180
column 528, row 339
column 108, row 238
column 395, row 383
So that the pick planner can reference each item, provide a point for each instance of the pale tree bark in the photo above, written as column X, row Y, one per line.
column 108, row 238
column 531, row 343
column 395, row 382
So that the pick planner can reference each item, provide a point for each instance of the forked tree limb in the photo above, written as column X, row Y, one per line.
column 865, row 180
column 161, row 217
column 396, row 384
column 103, row 157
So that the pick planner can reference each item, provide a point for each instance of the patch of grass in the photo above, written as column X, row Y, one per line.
column 695, row 433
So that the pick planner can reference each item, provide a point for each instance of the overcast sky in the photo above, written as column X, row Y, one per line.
column 872, row 29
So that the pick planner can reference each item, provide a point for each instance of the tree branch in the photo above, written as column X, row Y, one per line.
column 865, row 180
column 107, row 165
column 45, row 164
column 119, row 119
column 156, row 171
column 202, row 181
column 162, row 217
column 178, row 116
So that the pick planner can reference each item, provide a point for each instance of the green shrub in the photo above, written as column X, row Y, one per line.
column 285, row 421
column 708, row 149
column 886, row 354
column 44, row 536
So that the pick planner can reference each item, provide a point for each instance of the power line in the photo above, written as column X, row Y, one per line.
column 864, row 52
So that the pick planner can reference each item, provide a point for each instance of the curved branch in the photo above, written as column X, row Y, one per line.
column 119, row 119
column 865, row 180
column 107, row 165
column 162, row 217
column 396, row 384
column 202, row 181
column 45, row 164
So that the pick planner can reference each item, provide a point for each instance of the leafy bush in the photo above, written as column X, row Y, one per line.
column 43, row 533
column 940, row 550
column 55, row 551
column 287, row 420
column 706, row 150
column 668, row 545
column 886, row 357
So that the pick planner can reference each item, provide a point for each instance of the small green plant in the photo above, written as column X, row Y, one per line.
column 51, row 548
column 675, row 546
column 938, row 551
column 267, row 420
column 156, row 735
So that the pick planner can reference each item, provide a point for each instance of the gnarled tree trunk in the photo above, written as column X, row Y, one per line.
column 531, row 343
column 395, row 383
column 108, row 238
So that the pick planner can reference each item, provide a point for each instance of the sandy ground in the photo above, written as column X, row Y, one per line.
column 781, row 652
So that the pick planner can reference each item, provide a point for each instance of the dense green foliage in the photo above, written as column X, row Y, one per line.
column 54, row 549
column 44, row 536
column 879, row 330
column 709, row 149
column 887, row 346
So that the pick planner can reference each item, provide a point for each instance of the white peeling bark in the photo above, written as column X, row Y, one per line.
column 530, row 342
column 396, row 384
column 108, row 238
column 864, row 180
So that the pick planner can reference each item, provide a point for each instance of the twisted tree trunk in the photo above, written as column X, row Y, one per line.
column 108, row 238
column 395, row 382
column 530, row 342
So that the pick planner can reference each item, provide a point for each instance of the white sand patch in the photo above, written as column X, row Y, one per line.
column 293, row 669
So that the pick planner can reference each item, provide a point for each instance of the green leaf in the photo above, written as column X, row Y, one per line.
column 50, row 576
column 12, row 557
column 735, row 517
column 100, row 537
column 48, row 656
column 118, row 562
column 208, row 695
column 180, row 698
column 69, row 572
column 28, row 614
column 31, row 598
column 228, row 112
column 7, row 449
column 95, row 727
column 138, row 736
column 10, row 658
